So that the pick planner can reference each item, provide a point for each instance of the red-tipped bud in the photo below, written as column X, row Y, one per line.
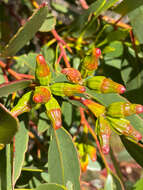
column 95, row 108
column 53, row 111
column 103, row 131
column 42, row 72
column 121, row 109
column 104, row 85
column 97, row 52
column 41, row 95
column 123, row 127
column 92, row 152
column 65, row 89
column 72, row 74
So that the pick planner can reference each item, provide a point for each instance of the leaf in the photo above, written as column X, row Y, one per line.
column 63, row 163
column 21, row 144
column 135, row 150
column 139, row 184
column 49, row 23
column 26, row 32
column 127, row 6
column 67, row 112
column 51, row 186
column 107, row 99
column 5, row 168
column 136, row 18
column 109, row 184
column 43, row 124
column 8, row 125
column 10, row 87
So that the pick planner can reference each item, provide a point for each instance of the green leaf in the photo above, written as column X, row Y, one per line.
column 43, row 124
column 5, row 168
column 49, row 23
column 21, row 144
column 109, row 184
column 26, row 32
column 10, row 87
column 107, row 99
column 51, row 186
column 135, row 150
column 59, row 7
column 8, row 125
column 127, row 6
column 63, row 163
column 67, row 112
column 139, row 184
column 136, row 18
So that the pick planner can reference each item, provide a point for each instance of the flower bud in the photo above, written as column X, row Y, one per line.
column 104, row 85
column 65, row 89
column 42, row 72
column 72, row 74
column 42, row 94
column 122, row 109
column 90, row 63
column 123, row 127
column 23, row 105
column 92, row 152
column 104, row 132
column 95, row 108
column 53, row 111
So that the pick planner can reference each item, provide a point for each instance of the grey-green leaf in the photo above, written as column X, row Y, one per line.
column 10, row 87
column 21, row 144
column 51, row 186
column 63, row 163
column 8, row 125
column 48, row 24
column 26, row 32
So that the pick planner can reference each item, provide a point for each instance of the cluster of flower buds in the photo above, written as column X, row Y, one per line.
column 104, row 85
column 73, row 75
column 86, row 151
column 90, row 63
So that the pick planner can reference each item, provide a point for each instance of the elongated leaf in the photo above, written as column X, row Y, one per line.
column 8, row 88
column 21, row 143
column 63, row 163
column 26, row 32
column 5, row 169
column 8, row 125
column 51, row 186
column 107, row 99
column 67, row 112
column 127, row 6
column 109, row 185
column 139, row 184
column 135, row 150
column 48, row 24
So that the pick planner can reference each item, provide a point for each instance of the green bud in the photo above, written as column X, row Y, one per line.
column 23, row 105
column 122, row 109
column 65, row 89
column 42, row 72
column 53, row 111
column 104, row 85
column 42, row 94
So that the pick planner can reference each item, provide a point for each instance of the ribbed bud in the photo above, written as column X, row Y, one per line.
column 104, row 132
column 95, row 108
column 123, row 127
column 90, row 63
column 92, row 152
column 121, row 109
column 42, row 72
column 72, row 74
column 53, row 111
column 23, row 105
column 104, row 85
column 65, row 89
column 42, row 94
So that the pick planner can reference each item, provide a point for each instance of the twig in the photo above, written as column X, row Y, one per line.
column 59, row 39
column 64, row 55
column 84, row 4
column 95, row 138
